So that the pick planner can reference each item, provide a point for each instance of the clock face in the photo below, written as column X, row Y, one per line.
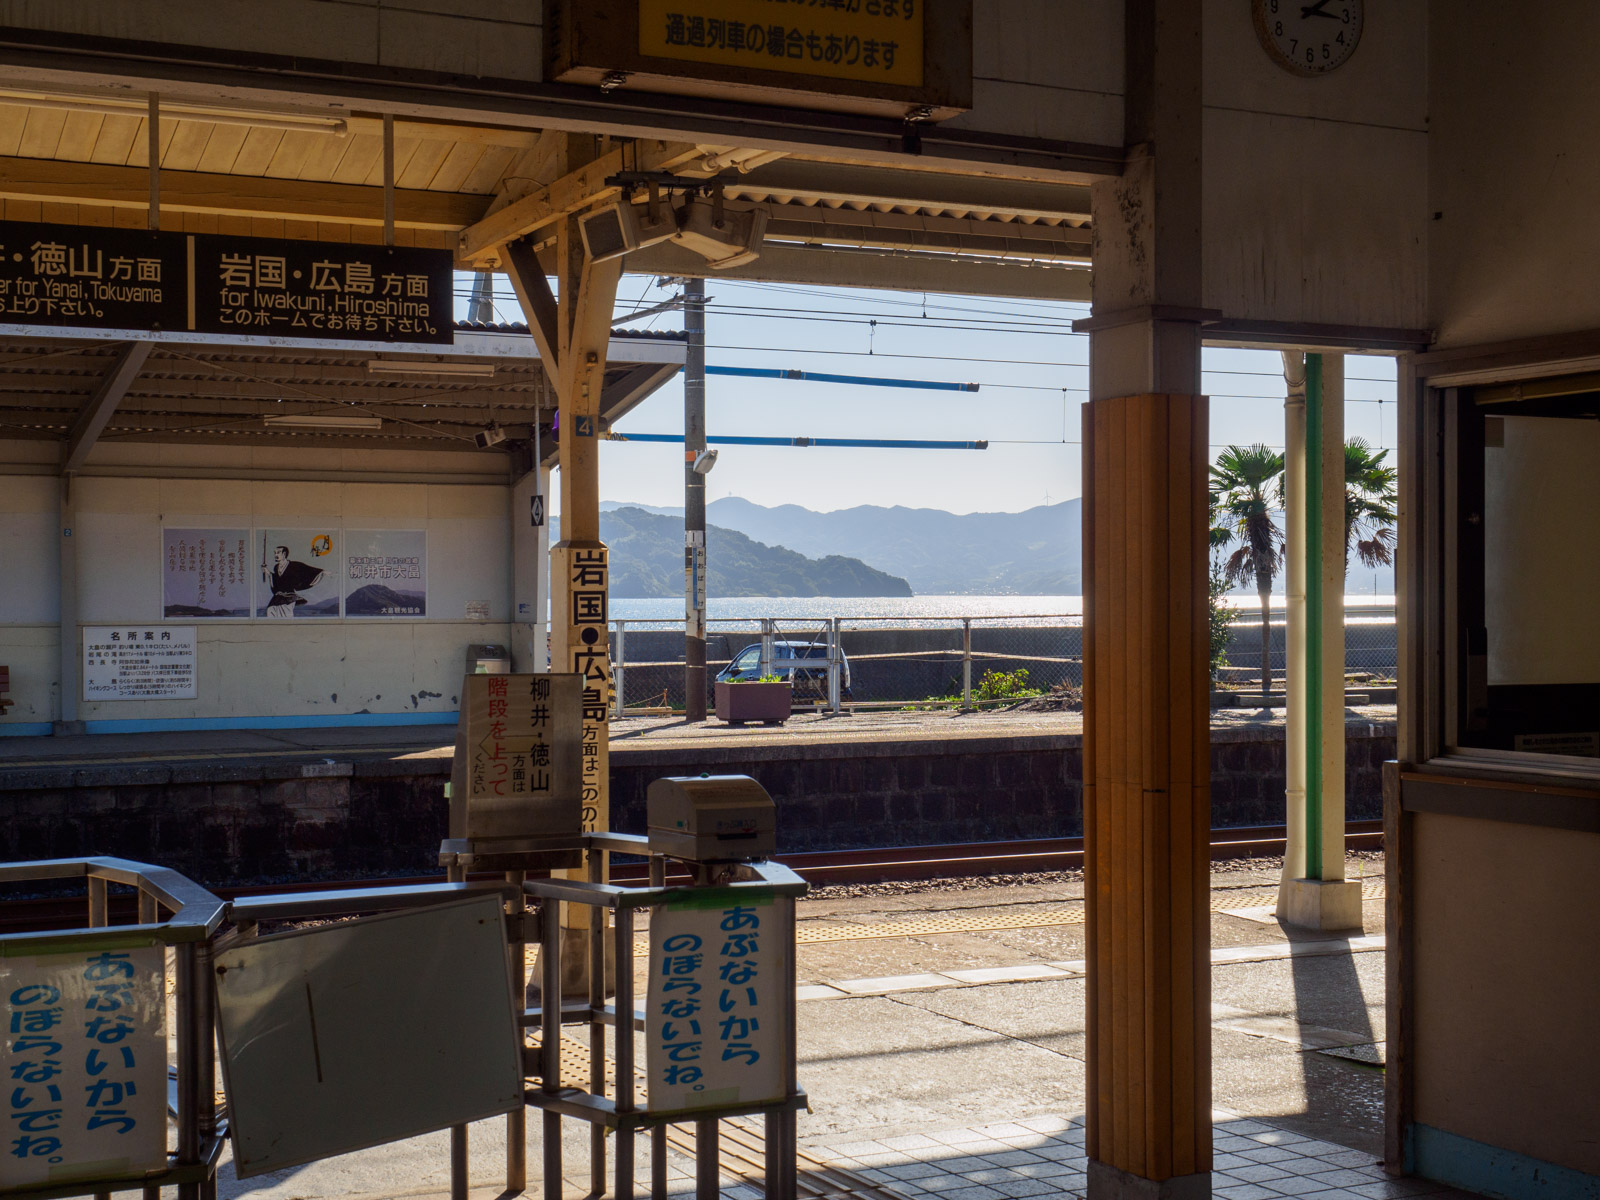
column 1308, row 37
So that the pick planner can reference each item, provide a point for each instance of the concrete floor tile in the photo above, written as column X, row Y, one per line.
column 854, row 1150
column 1005, row 1129
column 1028, row 1187
column 1047, row 1125
column 1267, row 1154
column 1231, row 1143
column 911, row 1141
column 818, row 991
column 1259, row 1172
column 1044, row 1170
column 942, row 1183
column 1280, row 1137
column 1224, row 1160
column 915, row 1170
column 1396, row 1189
column 973, row 1193
column 1348, row 1158
column 1342, row 1179
column 1060, row 1151
column 992, row 1176
column 891, row 983
column 1012, row 1158
column 1018, row 974
column 1298, row 1185
column 1243, row 1191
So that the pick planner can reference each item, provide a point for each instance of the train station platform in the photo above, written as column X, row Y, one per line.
column 941, row 1043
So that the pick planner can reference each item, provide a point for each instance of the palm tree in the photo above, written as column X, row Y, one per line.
column 1247, row 486
column 1370, row 497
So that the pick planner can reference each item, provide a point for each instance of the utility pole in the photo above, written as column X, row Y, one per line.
column 694, row 501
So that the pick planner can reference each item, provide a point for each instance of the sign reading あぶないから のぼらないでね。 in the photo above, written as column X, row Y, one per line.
column 98, row 277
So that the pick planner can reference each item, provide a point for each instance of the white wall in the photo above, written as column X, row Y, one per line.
column 254, row 668
column 1513, row 178
column 1315, row 190
column 1541, row 530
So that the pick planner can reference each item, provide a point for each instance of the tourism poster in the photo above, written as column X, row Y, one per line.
column 385, row 573
column 298, row 575
column 205, row 573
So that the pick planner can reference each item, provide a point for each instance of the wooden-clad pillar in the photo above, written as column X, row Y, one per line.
column 1147, row 796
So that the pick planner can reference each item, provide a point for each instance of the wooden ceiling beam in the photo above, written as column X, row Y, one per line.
column 104, row 185
column 480, row 245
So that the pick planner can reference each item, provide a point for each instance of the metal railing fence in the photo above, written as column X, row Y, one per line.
column 966, row 661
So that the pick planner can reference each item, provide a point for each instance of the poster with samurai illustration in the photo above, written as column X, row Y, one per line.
column 298, row 575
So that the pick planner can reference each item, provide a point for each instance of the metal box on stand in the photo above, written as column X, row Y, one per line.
column 711, row 818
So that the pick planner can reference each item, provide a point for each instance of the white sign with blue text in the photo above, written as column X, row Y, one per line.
column 715, row 1023
column 85, row 1046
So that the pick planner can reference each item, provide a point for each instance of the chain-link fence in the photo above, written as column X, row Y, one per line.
column 1370, row 651
column 971, row 661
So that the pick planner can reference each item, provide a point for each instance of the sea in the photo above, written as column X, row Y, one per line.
column 731, row 612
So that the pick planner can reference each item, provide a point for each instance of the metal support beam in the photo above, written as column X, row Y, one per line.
column 694, row 502
column 92, row 420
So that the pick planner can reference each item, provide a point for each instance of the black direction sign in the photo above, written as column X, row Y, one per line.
column 98, row 277
column 92, row 276
column 322, row 290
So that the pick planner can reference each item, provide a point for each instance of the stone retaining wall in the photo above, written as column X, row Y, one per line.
column 225, row 825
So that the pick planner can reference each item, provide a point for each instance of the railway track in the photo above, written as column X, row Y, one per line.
column 878, row 865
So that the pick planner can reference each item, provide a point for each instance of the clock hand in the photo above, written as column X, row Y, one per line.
column 1316, row 10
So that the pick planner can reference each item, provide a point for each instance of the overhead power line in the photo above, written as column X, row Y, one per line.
column 868, row 443
column 823, row 377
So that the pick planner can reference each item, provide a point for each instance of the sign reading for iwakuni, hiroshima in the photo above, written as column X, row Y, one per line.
column 103, row 278
column 517, row 773
column 133, row 662
column 874, row 40
column 715, row 1025
column 85, row 1088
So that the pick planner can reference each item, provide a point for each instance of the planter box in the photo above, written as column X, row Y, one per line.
column 766, row 702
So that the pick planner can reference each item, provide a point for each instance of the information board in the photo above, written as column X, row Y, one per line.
column 716, row 1024
column 517, row 770
column 85, row 1093
column 99, row 277
column 139, row 662
column 874, row 40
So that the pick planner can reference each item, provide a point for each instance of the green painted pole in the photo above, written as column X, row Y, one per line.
column 1314, row 608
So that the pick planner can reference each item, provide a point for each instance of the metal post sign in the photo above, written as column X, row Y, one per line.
column 715, row 1026
column 517, row 772
column 103, row 278
column 85, row 1086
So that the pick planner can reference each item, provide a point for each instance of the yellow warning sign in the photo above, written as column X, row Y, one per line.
column 877, row 41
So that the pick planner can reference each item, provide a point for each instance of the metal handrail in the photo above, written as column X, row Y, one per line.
column 196, row 915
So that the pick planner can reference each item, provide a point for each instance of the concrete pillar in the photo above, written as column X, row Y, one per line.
column 1147, row 795
column 67, row 721
column 1296, row 723
column 1314, row 893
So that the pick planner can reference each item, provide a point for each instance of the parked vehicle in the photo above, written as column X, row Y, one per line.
column 803, row 664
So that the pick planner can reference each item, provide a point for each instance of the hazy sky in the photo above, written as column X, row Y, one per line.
column 1030, row 367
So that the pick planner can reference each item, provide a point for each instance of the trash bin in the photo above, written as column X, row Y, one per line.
column 485, row 659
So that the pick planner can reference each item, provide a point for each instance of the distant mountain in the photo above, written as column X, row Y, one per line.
column 1032, row 553
column 379, row 600
column 647, row 560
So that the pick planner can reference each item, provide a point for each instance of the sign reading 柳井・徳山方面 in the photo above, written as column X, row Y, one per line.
column 92, row 276
column 98, row 277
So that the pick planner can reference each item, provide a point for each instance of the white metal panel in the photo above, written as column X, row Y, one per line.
column 356, row 1034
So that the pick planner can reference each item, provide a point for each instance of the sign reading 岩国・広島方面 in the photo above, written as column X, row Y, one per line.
column 871, row 40
column 99, row 277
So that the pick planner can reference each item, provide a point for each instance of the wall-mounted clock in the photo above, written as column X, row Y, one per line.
column 1308, row 37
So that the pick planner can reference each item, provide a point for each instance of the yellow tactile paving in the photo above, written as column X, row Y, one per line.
column 811, row 933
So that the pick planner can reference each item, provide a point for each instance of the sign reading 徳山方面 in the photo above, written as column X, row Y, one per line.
column 100, row 277
column 716, row 1018
column 871, row 40
column 84, row 1043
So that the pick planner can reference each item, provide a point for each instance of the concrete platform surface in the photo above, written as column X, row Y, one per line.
column 950, row 1063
